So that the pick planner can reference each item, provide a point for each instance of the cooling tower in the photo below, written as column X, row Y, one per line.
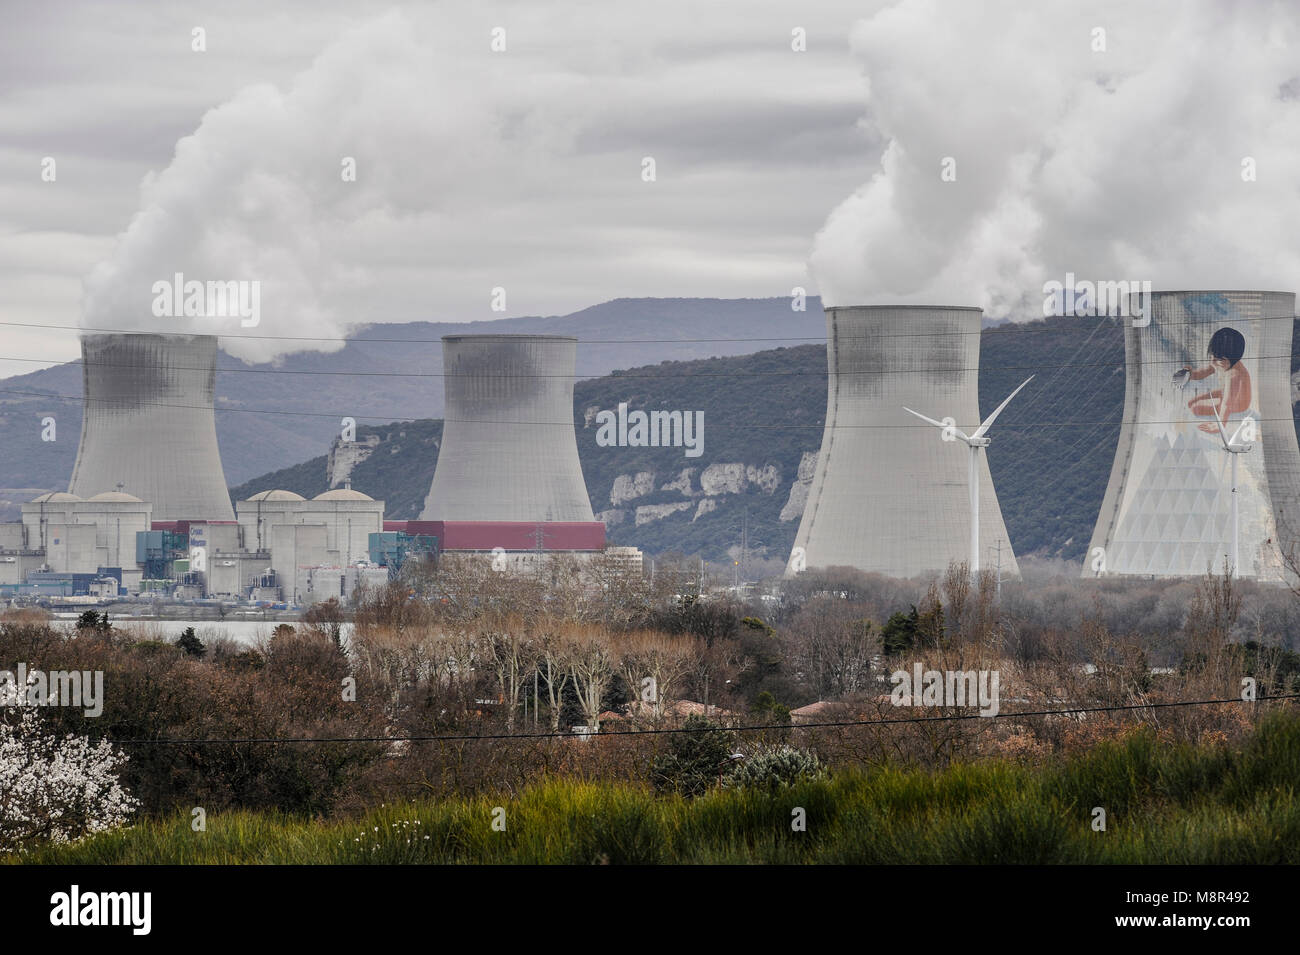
column 889, row 495
column 1168, row 507
column 509, row 452
column 148, row 427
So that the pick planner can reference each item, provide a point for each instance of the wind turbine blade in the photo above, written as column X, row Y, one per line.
column 1233, row 440
column 988, row 422
column 937, row 424
column 1222, row 436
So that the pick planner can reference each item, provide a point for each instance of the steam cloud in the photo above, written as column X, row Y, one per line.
column 1123, row 164
column 478, row 169
column 256, row 192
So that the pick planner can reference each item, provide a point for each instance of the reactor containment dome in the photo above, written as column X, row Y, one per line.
column 891, row 494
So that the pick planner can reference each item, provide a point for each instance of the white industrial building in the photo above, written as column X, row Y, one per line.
column 281, row 546
column 62, row 533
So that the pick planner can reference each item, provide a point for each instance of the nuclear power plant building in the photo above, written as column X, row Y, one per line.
column 283, row 549
column 148, row 512
column 889, row 494
column 1168, row 509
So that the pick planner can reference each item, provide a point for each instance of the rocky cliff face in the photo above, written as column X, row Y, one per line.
column 628, row 487
column 704, row 490
column 346, row 455
column 799, row 488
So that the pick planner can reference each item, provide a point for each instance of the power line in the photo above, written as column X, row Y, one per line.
column 1075, row 366
column 396, row 419
column 674, row 730
column 413, row 341
column 1067, row 380
column 1029, row 326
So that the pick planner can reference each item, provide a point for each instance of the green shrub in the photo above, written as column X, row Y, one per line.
column 696, row 759
column 988, row 813
column 776, row 768
column 898, row 635
column 152, row 646
column 190, row 644
column 92, row 620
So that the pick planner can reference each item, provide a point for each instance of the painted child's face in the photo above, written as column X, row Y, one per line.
column 1222, row 364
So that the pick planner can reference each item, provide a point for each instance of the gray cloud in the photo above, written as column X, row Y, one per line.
column 475, row 169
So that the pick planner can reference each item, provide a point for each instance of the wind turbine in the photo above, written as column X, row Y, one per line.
column 975, row 442
column 1233, row 448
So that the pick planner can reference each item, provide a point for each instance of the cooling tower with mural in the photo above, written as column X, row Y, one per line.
column 1204, row 358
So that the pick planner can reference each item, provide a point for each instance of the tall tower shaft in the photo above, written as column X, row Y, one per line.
column 148, row 424
column 1169, row 505
column 509, row 451
column 889, row 494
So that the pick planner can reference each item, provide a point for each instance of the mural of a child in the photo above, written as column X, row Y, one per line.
column 1227, row 345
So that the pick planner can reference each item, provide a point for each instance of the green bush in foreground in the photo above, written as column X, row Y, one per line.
column 697, row 758
column 774, row 768
column 1163, row 805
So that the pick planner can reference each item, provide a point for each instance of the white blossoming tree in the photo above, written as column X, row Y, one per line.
column 55, row 788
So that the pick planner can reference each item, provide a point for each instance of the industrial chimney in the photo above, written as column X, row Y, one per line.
column 509, row 451
column 148, row 427
column 890, row 494
column 1172, row 507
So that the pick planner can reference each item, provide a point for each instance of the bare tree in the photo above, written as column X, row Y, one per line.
column 591, row 668
column 663, row 659
column 513, row 655
column 552, row 667
column 832, row 645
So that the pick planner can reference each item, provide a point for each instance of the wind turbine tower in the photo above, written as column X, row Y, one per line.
column 976, row 442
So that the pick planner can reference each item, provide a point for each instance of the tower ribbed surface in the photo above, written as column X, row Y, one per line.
column 509, row 451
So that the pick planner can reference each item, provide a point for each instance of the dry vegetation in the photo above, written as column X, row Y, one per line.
column 461, row 652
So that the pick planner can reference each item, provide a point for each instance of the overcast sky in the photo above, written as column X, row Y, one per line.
column 475, row 169
column 523, row 168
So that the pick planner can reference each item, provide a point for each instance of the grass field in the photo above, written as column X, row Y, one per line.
column 1163, row 804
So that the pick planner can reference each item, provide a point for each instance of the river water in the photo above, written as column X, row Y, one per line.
column 243, row 631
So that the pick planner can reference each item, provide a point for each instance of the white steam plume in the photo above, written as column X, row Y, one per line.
column 479, row 169
column 1122, row 164
column 256, row 193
